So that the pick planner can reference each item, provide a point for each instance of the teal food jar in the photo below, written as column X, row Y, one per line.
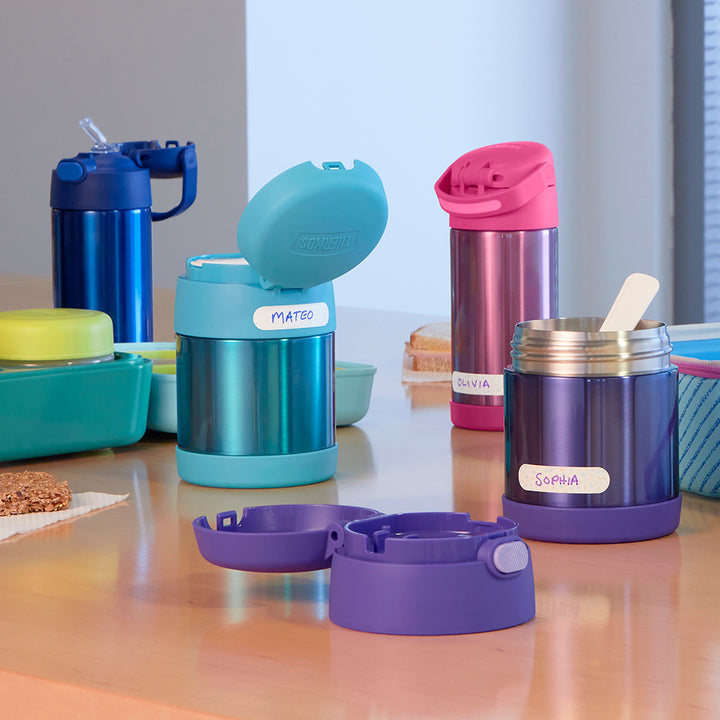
column 255, row 331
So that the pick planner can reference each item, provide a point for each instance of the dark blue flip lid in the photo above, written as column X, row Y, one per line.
column 118, row 177
column 100, row 181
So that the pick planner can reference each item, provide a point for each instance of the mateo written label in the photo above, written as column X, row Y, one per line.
column 291, row 317
column 570, row 480
column 475, row 384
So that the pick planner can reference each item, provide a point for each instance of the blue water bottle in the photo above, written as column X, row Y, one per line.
column 101, row 226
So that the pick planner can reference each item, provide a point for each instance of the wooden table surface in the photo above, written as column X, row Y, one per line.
column 116, row 614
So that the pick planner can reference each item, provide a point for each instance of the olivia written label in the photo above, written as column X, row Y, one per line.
column 291, row 317
column 571, row 480
column 477, row 384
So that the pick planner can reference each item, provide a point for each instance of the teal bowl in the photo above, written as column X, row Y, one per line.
column 353, row 389
column 353, row 386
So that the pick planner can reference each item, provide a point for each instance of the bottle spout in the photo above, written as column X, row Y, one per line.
column 101, row 145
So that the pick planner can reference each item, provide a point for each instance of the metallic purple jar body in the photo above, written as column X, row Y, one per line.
column 498, row 280
column 626, row 425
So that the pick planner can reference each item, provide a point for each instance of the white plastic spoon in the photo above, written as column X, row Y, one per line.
column 631, row 302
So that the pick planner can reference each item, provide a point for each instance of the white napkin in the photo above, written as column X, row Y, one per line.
column 80, row 504
column 421, row 376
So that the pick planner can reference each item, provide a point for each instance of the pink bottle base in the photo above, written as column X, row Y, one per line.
column 477, row 417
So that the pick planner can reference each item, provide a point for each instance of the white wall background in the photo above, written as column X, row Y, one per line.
column 404, row 85
column 409, row 86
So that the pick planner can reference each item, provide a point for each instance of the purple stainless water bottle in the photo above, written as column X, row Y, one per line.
column 503, row 211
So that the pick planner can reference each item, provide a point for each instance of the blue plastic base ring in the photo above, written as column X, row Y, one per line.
column 257, row 471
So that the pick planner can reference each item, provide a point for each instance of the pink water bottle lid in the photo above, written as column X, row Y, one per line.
column 505, row 187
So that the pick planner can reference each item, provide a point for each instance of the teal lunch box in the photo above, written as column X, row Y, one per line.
column 63, row 389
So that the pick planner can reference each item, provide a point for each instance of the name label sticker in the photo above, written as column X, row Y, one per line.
column 291, row 317
column 476, row 384
column 569, row 480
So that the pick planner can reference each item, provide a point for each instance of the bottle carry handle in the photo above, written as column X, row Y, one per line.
column 460, row 189
column 172, row 161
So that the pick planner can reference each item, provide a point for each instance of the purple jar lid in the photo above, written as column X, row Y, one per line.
column 273, row 538
column 430, row 573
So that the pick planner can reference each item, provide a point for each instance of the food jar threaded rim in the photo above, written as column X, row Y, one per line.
column 576, row 347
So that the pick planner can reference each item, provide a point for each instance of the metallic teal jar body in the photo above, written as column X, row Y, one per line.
column 255, row 397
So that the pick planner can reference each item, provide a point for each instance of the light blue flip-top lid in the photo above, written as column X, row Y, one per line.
column 221, row 297
column 310, row 224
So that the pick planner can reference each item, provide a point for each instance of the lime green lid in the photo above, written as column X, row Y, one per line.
column 54, row 334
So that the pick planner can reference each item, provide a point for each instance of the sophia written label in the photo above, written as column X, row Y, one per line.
column 291, row 317
column 571, row 480
column 477, row 384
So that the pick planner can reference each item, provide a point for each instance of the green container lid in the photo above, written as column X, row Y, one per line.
column 47, row 334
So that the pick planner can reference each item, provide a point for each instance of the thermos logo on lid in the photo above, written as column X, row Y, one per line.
column 291, row 317
column 325, row 243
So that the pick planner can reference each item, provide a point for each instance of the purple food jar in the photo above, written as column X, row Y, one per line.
column 591, row 432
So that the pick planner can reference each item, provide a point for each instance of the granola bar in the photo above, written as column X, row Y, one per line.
column 28, row 491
